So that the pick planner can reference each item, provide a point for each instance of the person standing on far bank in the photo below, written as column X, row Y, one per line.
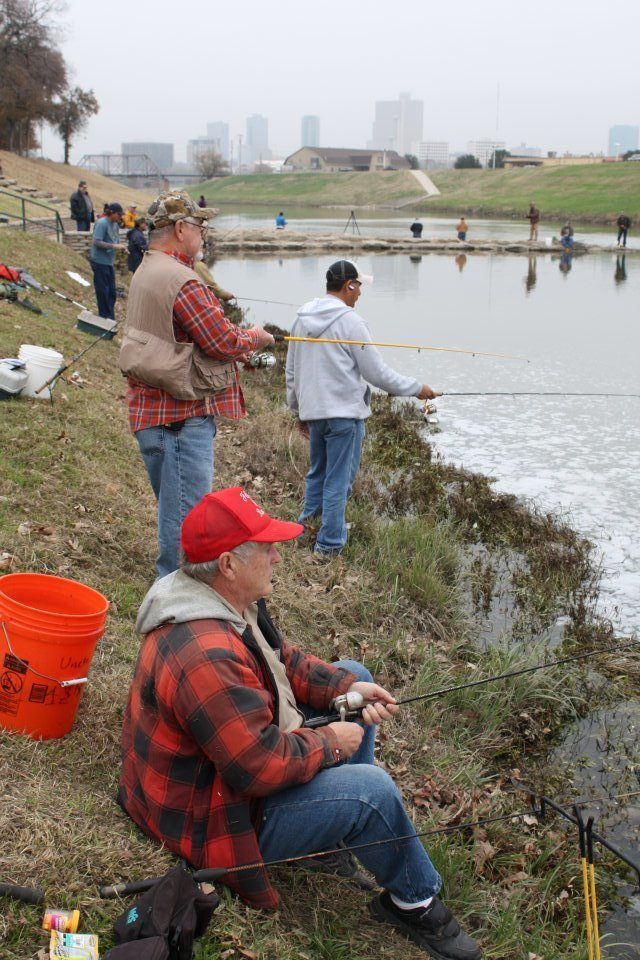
column 462, row 229
column 106, row 240
column 416, row 229
column 328, row 391
column 280, row 221
column 534, row 219
column 179, row 353
column 82, row 207
column 624, row 222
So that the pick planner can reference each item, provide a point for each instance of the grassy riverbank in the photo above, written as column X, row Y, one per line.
column 588, row 194
column 312, row 189
column 428, row 545
column 592, row 193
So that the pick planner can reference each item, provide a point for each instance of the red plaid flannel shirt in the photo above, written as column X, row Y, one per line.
column 197, row 316
column 201, row 745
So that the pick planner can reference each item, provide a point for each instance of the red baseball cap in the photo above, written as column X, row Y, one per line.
column 227, row 518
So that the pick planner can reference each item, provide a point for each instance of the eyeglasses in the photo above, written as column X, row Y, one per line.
column 200, row 224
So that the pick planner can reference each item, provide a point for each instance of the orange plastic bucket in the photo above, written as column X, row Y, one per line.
column 49, row 628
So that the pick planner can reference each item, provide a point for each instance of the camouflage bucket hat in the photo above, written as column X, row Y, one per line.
column 176, row 205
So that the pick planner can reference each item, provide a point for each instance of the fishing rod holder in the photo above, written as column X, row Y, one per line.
column 541, row 804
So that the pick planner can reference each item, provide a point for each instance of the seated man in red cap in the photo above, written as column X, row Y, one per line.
column 217, row 763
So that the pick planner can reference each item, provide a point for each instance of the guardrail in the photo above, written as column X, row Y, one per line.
column 57, row 226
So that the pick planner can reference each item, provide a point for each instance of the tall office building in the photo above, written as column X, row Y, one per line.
column 622, row 138
column 219, row 133
column 398, row 124
column 310, row 131
column 160, row 153
column 257, row 141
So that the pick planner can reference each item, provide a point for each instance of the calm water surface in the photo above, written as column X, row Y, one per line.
column 579, row 326
column 371, row 222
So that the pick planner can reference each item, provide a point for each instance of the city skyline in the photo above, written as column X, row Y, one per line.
column 470, row 90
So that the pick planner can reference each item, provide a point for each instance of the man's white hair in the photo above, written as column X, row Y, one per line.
column 208, row 571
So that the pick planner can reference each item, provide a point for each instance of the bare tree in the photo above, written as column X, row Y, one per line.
column 32, row 70
column 209, row 163
column 71, row 113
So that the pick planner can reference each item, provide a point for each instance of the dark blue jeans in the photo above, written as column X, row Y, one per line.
column 335, row 447
column 104, row 282
column 353, row 803
column 180, row 468
column 83, row 225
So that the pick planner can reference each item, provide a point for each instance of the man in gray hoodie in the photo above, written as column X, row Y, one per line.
column 328, row 390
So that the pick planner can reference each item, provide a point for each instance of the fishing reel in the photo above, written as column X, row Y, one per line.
column 348, row 704
column 262, row 361
column 429, row 411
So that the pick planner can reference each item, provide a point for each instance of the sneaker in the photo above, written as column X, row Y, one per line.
column 433, row 928
column 339, row 864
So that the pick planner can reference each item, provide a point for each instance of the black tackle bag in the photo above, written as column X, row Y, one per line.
column 173, row 913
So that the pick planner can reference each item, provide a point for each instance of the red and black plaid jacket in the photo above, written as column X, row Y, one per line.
column 201, row 745
column 198, row 317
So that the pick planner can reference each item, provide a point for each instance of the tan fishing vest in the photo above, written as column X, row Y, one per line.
column 149, row 351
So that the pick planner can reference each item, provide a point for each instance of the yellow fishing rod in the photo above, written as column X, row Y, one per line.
column 280, row 338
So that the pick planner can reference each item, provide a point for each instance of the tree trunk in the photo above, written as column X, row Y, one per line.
column 67, row 147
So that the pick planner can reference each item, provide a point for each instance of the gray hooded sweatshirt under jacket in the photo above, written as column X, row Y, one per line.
column 329, row 379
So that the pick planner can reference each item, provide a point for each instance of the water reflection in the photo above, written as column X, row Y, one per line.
column 565, row 262
column 621, row 270
column 532, row 275
column 461, row 260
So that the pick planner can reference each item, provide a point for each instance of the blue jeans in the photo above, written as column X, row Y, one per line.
column 335, row 447
column 83, row 225
column 104, row 282
column 353, row 803
column 180, row 468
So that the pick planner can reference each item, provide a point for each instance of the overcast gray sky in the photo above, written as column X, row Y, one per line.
column 161, row 70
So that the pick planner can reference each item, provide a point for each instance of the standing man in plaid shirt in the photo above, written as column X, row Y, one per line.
column 217, row 763
column 179, row 354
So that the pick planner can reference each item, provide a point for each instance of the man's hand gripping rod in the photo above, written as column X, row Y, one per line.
column 348, row 706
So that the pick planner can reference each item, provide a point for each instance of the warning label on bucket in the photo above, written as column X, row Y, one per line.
column 40, row 693
column 11, row 684
column 14, row 663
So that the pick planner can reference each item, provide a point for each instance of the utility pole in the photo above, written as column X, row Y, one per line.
column 497, row 124
column 239, row 153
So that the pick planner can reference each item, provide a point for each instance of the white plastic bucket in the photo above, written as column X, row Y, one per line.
column 41, row 363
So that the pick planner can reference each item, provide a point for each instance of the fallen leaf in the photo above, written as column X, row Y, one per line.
column 111, row 489
column 23, row 529
column 530, row 820
column 6, row 560
column 483, row 852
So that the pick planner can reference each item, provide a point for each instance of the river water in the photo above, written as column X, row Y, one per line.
column 370, row 222
column 579, row 329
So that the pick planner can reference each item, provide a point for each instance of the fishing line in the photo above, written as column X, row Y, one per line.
column 518, row 673
column 534, row 393
column 280, row 303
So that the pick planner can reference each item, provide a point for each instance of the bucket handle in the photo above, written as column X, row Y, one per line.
column 43, row 676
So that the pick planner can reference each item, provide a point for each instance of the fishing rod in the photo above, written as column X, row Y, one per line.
column 280, row 338
column 532, row 393
column 63, row 296
column 107, row 334
column 539, row 806
column 349, row 706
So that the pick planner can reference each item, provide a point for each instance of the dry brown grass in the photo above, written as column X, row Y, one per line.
column 74, row 469
column 62, row 180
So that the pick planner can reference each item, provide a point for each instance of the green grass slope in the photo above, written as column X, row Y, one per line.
column 595, row 192
column 312, row 189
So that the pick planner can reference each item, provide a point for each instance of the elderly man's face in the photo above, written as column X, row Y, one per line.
column 254, row 575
